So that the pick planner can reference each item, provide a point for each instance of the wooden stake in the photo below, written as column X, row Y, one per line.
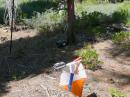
column 12, row 25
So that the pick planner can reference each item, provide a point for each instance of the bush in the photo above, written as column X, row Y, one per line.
column 101, row 14
column 128, row 22
column 91, row 20
column 121, row 37
column 89, row 57
column 29, row 8
column 95, row 33
column 49, row 21
column 117, row 93
column 107, row 9
column 120, row 16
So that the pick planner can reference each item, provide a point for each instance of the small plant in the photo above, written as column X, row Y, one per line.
column 116, row 93
column 89, row 57
column 121, row 37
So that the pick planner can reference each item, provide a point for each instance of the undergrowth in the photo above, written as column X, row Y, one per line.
column 121, row 37
column 117, row 93
column 89, row 57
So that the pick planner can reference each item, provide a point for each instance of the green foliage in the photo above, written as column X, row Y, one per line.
column 117, row 93
column 128, row 22
column 121, row 37
column 49, row 21
column 91, row 16
column 126, row 5
column 107, row 9
column 29, row 8
column 92, row 1
column 92, row 23
column 95, row 32
column 120, row 16
column 98, row 18
column 91, row 19
column 89, row 57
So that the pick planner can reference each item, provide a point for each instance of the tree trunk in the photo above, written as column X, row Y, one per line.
column 71, row 18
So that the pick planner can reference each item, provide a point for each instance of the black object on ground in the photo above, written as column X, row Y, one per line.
column 92, row 95
column 61, row 43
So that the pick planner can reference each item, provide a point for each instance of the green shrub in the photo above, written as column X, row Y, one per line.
column 49, row 21
column 29, row 8
column 91, row 20
column 100, row 14
column 121, row 37
column 95, row 32
column 89, row 57
column 128, row 22
column 120, row 16
column 107, row 9
column 116, row 93
column 126, row 5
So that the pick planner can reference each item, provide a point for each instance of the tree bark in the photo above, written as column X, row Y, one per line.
column 71, row 18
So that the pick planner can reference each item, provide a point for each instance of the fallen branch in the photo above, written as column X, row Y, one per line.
column 46, row 90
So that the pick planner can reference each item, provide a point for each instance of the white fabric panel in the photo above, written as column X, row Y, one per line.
column 70, row 68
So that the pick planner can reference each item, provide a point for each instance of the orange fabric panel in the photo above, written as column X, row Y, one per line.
column 77, row 87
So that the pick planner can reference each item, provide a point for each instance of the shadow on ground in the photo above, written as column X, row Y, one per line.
column 30, row 57
column 121, row 53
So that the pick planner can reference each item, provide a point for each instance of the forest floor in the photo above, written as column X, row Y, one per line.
column 115, row 72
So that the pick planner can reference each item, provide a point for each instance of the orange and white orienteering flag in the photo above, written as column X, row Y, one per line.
column 73, row 77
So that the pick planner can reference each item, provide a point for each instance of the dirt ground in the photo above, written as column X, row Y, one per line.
column 115, row 72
